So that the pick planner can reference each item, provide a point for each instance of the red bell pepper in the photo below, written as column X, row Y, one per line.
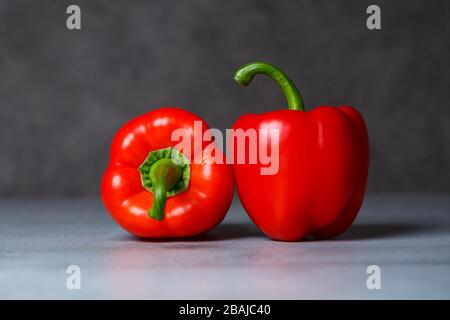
column 154, row 190
column 323, row 166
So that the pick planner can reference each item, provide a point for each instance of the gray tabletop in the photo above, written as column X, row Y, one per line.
column 406, row 236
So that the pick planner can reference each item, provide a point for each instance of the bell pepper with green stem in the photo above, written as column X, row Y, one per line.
column 323, row 165
column 154, row 190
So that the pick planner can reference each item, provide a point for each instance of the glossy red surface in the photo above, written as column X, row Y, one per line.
column 189, row 213
column 323, row 167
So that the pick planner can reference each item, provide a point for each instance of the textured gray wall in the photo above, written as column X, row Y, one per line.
column 63, row 94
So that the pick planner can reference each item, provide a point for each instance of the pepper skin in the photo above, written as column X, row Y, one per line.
column 201, row 197
column 323, row 166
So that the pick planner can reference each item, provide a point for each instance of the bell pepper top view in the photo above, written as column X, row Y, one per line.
column 323, row 165
column 154, row 190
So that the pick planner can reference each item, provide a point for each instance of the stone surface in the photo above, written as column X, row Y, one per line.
column 407, row 236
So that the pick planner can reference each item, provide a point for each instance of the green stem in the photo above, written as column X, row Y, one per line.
column 164, row 175
column 245, row 75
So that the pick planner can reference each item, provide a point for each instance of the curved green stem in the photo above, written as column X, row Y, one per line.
column 245, row 75
column 164, row 175
column 159, row 200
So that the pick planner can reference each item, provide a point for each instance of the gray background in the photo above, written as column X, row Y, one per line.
column 63, row 94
